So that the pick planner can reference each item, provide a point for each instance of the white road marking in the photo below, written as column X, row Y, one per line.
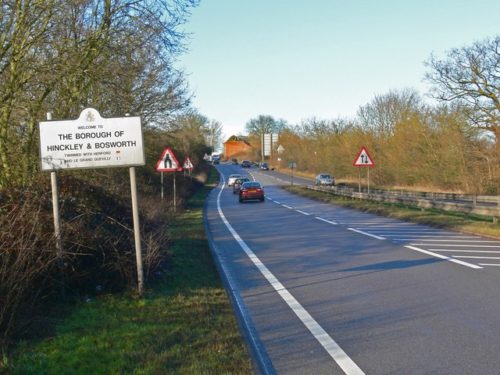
column 444, row 257
column 302, row 212
column 461, row 241
column 489, row 264
column 467, row 251
column 326, row 221
column 450, row 245
column 332, row 348
column 366, row 234
column 473, row 257
column 431, row 238
column 290, row 208
column 277, row 202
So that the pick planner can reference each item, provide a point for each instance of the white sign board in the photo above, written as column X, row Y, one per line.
column 91, row 142
column 363, row 159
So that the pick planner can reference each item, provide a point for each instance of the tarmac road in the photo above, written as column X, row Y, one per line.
column 322, row 289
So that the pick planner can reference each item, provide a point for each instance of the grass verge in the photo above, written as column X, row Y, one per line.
column 184, row 324
column 443, row 219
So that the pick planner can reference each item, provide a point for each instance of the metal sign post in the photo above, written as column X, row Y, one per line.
column 161, row 185
column 175, row 194
column 55, row 206
column 94, row 142
column 137, row 231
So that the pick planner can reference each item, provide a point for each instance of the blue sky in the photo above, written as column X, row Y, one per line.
column 295, row 59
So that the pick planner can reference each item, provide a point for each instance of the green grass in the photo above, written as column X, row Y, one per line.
column 183, row 325
column 443, row 219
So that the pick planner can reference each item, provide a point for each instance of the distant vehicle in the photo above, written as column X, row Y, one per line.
column 324, row 179
column 237, row 184
column 264, row 166
column 251, row 190
column 246, row 164
column 234, row 161
column 232, row 178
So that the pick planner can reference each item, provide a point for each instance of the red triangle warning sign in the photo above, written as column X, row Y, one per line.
column 363, row 159
column 188, row 164
column 168, row 162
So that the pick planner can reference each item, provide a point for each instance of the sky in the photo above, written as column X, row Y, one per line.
column 298, row 59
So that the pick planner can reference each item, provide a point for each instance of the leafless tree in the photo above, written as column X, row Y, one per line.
column 471, row 76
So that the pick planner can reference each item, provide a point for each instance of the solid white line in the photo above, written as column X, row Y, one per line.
column 302, row 212
column 473, row 257
column 444, row 257
column 467, row 251
column 277, row 202
column 290, row 208
column 444, row 245
column 327, row 221
column 489, row 264
column 332, row 348
column 467, row 241
column 366, row 234
column 433, row 238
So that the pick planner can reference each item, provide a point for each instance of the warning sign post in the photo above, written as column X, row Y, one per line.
column 363, row 159
column 168, row 163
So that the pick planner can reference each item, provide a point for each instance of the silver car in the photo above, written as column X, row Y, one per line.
column 232, row 178
column 324, row 179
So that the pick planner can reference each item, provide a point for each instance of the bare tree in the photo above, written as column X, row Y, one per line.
column 383, row 113
column 471, row 76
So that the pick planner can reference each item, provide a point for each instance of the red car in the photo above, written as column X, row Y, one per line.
column 251, row 190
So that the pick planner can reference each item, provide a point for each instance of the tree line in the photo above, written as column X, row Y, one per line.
column 452, row 144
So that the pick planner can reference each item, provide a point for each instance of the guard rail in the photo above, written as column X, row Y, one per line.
column 484, row 205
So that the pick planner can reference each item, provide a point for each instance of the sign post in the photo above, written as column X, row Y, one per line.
column 94, row 142
column 168, row 163
column 364, row 160
column 292, row 165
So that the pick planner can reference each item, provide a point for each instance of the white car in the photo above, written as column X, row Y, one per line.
column 232, row 178
column 324, row 179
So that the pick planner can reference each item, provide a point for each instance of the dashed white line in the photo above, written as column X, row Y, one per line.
column 366, row 234
column 303, row 213
column 290, row 208
column 444, row 257
column 327, row 221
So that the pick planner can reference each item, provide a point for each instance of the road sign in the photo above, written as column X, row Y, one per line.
column 363, row 159
column 168, row 162
column 188, row 164
column 91, row 142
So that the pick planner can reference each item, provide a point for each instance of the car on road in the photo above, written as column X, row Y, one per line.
column 234, row 161
column 324, row 179
column 246, row 164
column 251, row 190
column 237, row 184
column 232, row 178
column 264, row 166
